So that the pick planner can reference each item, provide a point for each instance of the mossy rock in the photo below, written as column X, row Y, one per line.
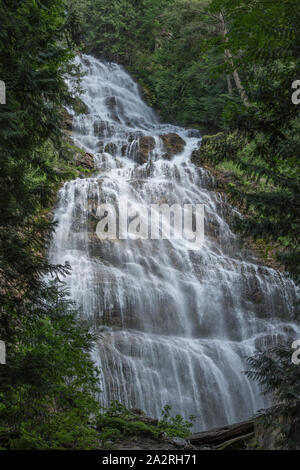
column 173, row 144
column 80, row 107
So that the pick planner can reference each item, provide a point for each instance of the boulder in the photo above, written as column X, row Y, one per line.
column 134, row 136
column 173, row 145
column 178, row 442
column 100, row 146
column 111, row 102
column 104, row 129
column 86, row 160
column 136, row 411
column 111, row 148
column 124, row 150
column 146, row 145
column 114, row 108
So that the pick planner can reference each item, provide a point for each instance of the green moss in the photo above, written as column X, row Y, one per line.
column 79, row 106
column 118, row 423
column 74, row 148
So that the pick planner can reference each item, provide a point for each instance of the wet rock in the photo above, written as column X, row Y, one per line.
column 193, row 133
column 136, row 411
column 196, row 157
column 100, row 147
column 114, row 108
column 146, row 146
column 114, row 317
column 124, row 150
column 179, row 442
column 285, row 336
column 111, row 148
column 83, row 226
column 134, row 136
column 111, row 102
column 173, row 145
column 86, row 160
column 104, row 129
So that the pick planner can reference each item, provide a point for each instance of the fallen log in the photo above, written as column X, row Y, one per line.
column 218, row 436
column 237, row 443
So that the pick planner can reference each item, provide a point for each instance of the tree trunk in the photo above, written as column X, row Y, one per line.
column 229, row 57
column 222, row 435
column 229, row 84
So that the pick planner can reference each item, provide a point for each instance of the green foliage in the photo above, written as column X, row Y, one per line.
column 262, row 141
column 162, row 44
column 260, row 31
column 117, row 423
column 175, row 426
column 179, row 52
column 116, row 30
column 263, row 138
column 280, row 379
column 33, row 67
column 178, row 72
column 48, row 385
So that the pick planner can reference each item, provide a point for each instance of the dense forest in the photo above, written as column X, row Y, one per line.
column 224, row 67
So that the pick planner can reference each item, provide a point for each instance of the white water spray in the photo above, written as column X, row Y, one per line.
column 175, row 325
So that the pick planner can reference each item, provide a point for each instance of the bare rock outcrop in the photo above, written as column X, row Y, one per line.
column 173, row 145
column 146, row 146
column 67, row 120
column 104, row 129
column 111, row 148
column 86, row 160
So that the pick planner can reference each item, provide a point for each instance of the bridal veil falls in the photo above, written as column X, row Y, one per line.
column 175, row 325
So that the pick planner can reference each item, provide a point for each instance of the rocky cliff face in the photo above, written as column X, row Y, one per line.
column 174, row 324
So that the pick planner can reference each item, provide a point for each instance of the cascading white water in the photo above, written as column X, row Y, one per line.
column 174, row 325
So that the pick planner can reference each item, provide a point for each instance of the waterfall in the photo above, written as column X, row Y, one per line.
column 174, row 325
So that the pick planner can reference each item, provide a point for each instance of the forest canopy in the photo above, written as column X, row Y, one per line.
column 225, row 67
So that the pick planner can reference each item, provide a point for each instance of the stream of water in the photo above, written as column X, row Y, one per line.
column 174, row 324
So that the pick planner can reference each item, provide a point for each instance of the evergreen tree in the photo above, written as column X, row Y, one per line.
column 263, row 137
column 279, row 378
column 48, row 385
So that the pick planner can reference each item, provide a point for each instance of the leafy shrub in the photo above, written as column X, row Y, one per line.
column 280, row 379
column 117, row 422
